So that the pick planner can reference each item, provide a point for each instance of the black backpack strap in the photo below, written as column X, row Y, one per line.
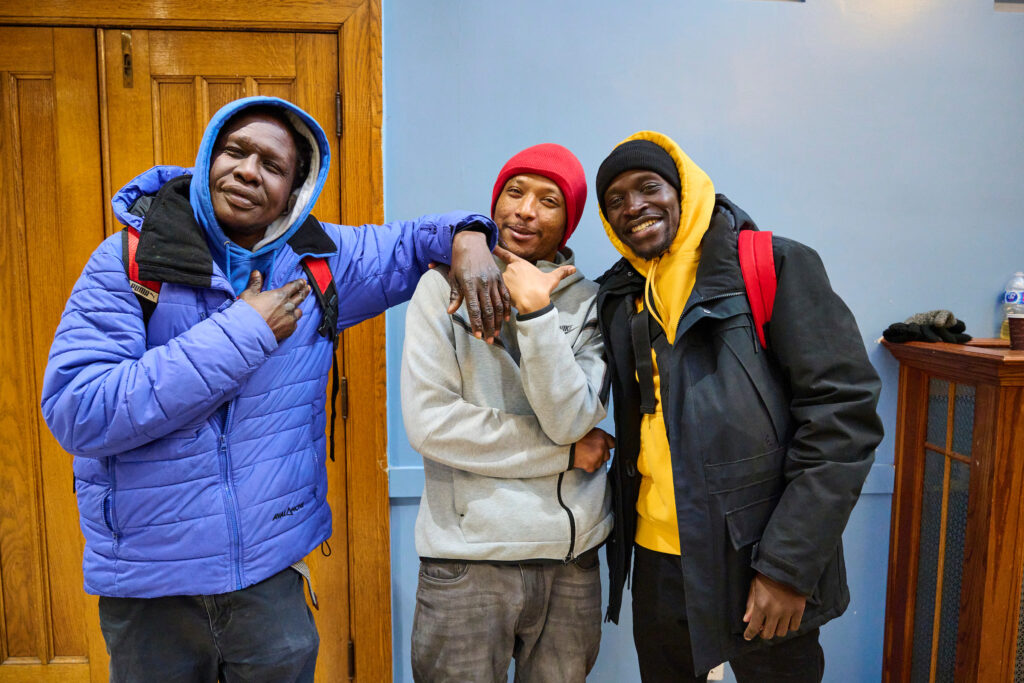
column 322, row 283
column 146, row 291
column 639, row 329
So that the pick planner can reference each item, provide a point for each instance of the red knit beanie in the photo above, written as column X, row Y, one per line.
column 558, row 165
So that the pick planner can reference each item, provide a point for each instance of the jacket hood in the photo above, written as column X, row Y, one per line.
column 697, row 201
column 236, row 261
column 146, row 184
column 670, row 275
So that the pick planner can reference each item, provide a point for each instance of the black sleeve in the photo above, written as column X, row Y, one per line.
column 833, row 398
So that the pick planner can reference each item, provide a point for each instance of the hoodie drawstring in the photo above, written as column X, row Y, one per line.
column 651, row 299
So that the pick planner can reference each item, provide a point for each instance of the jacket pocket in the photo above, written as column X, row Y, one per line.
column 739, row 484
column 746, row 524
column 508, row 511
column 726, row 477
column 109, row 514
column 434, row 571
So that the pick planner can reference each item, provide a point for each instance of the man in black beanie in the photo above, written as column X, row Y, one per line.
column 737, row 464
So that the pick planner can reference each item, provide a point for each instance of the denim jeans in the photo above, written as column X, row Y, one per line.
column 662, row 635
column 472, row 619
column 261, row 633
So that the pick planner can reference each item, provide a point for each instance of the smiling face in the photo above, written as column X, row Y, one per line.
column 530, row 215
column 643, row 210
column 252, row 173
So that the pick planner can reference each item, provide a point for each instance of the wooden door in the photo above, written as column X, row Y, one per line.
column 52, row 219
column 155, row 112
column 63, row 148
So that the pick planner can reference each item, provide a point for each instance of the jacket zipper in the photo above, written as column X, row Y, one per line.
column 229, row 497
column 572, row 521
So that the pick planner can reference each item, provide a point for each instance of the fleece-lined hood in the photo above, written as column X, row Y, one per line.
column 671, row 275
column 237, row 262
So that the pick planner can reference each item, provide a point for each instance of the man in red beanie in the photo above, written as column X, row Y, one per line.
column 515, row 500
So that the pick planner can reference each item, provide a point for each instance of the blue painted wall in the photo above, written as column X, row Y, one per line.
column 888, row 135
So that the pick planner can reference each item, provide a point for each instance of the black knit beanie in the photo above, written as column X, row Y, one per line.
column 635, row 154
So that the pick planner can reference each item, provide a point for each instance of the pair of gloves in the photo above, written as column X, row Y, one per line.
column 933, row 326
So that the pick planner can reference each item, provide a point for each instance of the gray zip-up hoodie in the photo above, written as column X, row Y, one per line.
column 495, row 425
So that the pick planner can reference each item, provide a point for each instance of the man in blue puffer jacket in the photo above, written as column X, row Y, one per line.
column 199, row 436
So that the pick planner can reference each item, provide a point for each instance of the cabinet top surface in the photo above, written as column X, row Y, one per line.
column 980, row 359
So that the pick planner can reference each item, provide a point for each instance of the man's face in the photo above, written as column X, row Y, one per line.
column 251, row 175
column 643, row 210
column 530, row 215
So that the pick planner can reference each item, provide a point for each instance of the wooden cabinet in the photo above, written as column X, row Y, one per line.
column 955, row 596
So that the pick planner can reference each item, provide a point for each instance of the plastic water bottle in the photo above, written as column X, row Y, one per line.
column 1013, row 301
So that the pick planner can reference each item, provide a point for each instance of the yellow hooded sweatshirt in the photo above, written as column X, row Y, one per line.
column 670, row 279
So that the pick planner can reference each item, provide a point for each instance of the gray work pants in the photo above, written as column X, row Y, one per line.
column 472, row 619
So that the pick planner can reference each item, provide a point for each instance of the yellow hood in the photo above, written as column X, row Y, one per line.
column 670, row 276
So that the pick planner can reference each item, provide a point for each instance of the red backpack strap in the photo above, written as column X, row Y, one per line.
column 757, row 263
column 146, row 291
column 322, row 282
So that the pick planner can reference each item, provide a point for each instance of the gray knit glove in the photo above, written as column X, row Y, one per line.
column 939, row 318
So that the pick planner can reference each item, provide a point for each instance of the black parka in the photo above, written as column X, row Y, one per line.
column 769, row 448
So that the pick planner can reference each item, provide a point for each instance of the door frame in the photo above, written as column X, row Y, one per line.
column 357, row 24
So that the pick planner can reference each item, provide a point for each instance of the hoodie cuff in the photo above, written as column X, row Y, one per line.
column 572, row 457
column 534, row 314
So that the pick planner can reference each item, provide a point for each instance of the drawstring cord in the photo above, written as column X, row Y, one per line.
column 651, row 299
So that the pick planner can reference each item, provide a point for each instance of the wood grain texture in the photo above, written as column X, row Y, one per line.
column 354, row 193
column 174, row 113
column 55, row 672
column 79, row 228
column 964, row 363
column 130, row 141
column 26, row 49
column 979, row 512
column 997, row 632
column 993, row 561
column 49, row 138
column 362, row 202
column 236, row 14
column 220, row 53
column 21, row 579
column 905, row 524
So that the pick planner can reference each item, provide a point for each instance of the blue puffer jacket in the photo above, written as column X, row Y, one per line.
column 199, row 443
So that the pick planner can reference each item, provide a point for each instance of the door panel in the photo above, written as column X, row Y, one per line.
column 52, row 219
column 181, row 78
column 157, row 114
column 55, row 187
